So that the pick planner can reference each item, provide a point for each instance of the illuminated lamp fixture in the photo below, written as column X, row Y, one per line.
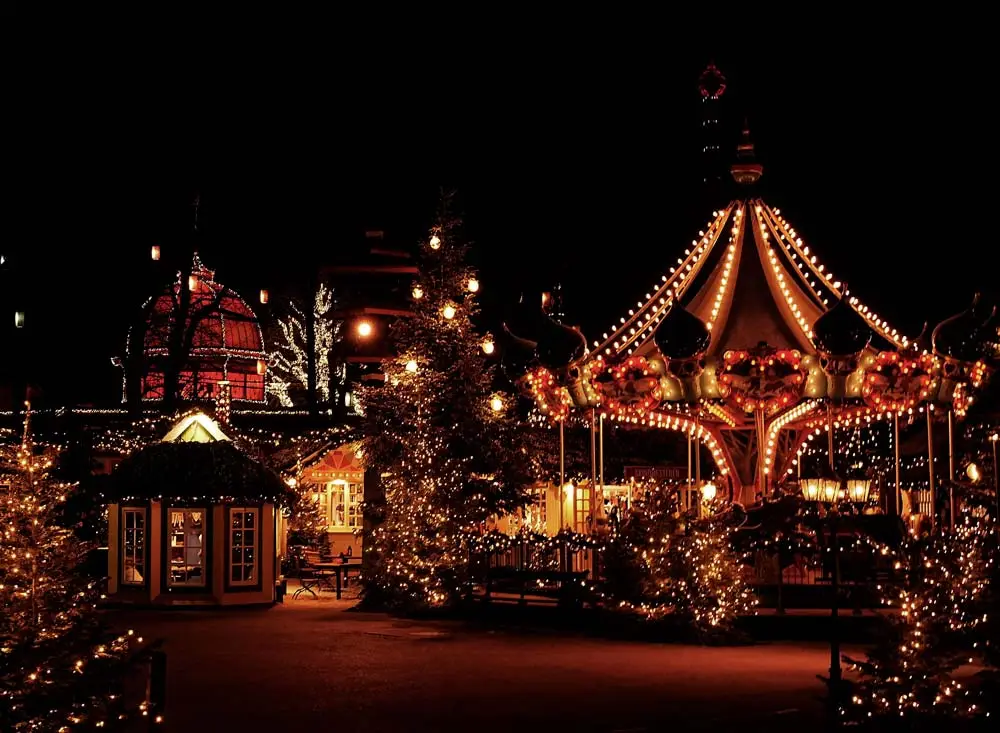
column 261, row 367
column 192, row 282
column 708, row 493
column 825, row 487
column 264, row 296
column 488, row 346
column 364, row 329
column 972, row 471
column 858, row 489
column 411, row 366
column 154, row 252
column 496, row 404
column 417, row 292
column 473, row 285
column 435, row 242
column 448, row 311
column 19, row 319
column 292, row 482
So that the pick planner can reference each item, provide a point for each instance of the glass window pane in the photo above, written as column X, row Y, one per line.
column 248, row 519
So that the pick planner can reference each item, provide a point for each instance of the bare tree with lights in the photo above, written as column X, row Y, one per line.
column 450, row 448
column 289, row 360
column 58, row 666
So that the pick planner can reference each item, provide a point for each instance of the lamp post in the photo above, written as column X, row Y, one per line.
column 831, row 491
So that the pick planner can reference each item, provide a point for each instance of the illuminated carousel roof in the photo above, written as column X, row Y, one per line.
column 748, row 278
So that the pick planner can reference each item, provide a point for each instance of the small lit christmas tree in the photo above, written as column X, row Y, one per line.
column 58, row 666
column 688, row 571
column 910, row 679
column 449, row 447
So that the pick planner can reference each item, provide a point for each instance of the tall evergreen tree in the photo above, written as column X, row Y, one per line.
column 449, row 447
column 58, row 666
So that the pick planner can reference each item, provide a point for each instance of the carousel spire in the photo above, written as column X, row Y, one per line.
column 746, row 170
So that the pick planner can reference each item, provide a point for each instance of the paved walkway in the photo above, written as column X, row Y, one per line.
column 316, row 666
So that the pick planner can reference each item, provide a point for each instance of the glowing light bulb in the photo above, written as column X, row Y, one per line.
column 448, row 311
column 364, row 329
column 411, row 366
column 155, row 252
column 496, row 404
column 488, row 346
column 473, row 285
column 435, row 242
column 418, row 292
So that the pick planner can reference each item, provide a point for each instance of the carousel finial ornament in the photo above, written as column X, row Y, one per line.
column 962, row 343
column 683, row 339
column 840, row 335
column 746, row 170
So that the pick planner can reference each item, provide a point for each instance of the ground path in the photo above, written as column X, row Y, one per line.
column 314, row 666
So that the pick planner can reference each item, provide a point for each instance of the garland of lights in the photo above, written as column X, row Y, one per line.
column 633, row 390
column 552, row 398
column 898, row 382
column 769, row 380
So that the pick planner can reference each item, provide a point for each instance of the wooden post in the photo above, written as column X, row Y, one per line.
column 687, row 503
column 829, row 434
column 562, row 475
column 594, row 496
column 930, row 464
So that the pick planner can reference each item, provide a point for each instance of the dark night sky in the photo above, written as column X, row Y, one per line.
column 573, row 151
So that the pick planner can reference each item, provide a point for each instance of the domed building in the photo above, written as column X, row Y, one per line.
column 224, row 344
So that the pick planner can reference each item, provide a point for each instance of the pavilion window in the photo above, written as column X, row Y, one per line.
column 344, row 501
column 244, row 537
column 133, row 552
column 187, row 548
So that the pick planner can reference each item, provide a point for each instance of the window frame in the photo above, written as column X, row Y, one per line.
column 339, row 491
column 257, row 582
column 122, row 533
column 206, row 546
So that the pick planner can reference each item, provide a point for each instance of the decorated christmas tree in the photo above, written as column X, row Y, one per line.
column 449, row 447
column 58, row 666
column 688, row 572
column 912, row 679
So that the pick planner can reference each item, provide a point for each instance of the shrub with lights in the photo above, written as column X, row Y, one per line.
column 913, row 678
column 59, row 668
column 449, row 447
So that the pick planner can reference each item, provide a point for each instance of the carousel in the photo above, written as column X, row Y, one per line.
column 751, row 347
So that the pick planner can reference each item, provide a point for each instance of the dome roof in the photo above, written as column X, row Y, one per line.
column 228, row 327
column 961, row 336
column 681, row 334
column 841, row 331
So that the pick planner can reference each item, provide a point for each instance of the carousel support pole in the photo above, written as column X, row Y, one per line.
column 600, row 450
column 829, row 433
column 594, row 496
column 697, row 451
column 895, row 442
column 562, row 475
column 951, row 471
column 996, row 474
column 687, row 502
column 930, row 463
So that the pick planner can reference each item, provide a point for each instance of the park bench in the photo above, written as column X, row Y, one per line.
column 568, row 590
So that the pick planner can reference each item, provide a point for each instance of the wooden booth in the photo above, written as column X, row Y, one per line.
column 335, row 476
column 194, row 521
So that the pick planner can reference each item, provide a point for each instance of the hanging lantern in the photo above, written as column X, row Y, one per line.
column 364, row 329
column 448, row 311
column 488, row 346
column 857, row 490
column 473, row 285
column 19, row 319
column 261, row 367
column 708, row 493
column 435, row 242
column 192, row 282
column 496, row 404
column 155, row 253
column 418, row 292
column 264, row 296
column 411, row 366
